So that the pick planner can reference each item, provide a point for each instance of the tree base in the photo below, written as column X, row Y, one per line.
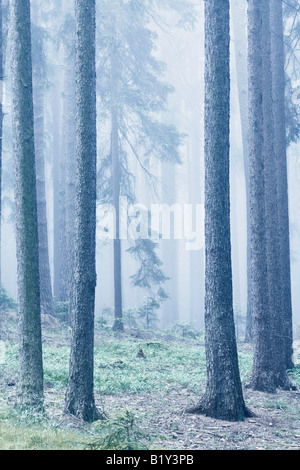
column 29, row 407
column 85, row 412
column 283, row 382
column 118, row 326
column 213, row 408
column 264, row 382
column 30, row 401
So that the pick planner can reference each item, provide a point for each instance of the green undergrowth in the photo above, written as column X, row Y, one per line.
column 118, row 370
column 170, row 363
column 24, row 432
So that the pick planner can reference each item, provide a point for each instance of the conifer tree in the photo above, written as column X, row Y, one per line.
column 30, row 339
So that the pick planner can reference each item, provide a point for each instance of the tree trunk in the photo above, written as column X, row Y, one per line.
column 278, row 72
column 80, row 391
column 238, row 9
column 223, row 398
column 38, row 99
column 69, row 138
column 262, row 375
column 56, row 201
column 31, row 366
column 116, row 181
column 59, row 186
column 271, row 205
column 1, row 128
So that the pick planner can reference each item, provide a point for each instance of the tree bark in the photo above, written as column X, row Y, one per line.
column 223, row 398
column 278, row 73
column 262, row 375
column 38, row 100
column 30, row 340
column 271, row 205
column 80, row 391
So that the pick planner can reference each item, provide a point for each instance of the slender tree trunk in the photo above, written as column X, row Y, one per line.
column 238, row 9
column 278, row 72
column 69, row 150
column 56, row 200
column 224, row 397
column 38, row 98
column 59, row 190
column 116, row 181
column 262, row 376
column 1, row 128
column 80, row 391
column 170, row 249
column 31, row 366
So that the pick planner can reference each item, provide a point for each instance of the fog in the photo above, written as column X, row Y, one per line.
column 181, row 48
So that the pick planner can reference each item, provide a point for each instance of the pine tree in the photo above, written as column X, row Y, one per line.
column 280, row 145
column 272, row 216
column 39, row 65
column 31, row 366
column 67, row 34
column 80, row 391
column 239, row 21
column 223, row 398
column 262, row 375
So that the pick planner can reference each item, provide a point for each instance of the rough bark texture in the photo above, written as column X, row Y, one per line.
column 80, row 391
column 31, row 367
column 224, row 397
column 38, row 99
column 271, row 205
column 116, row 181
column 262, row 376
column 278, row 72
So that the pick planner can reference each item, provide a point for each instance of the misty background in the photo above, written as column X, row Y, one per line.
column 181, row 48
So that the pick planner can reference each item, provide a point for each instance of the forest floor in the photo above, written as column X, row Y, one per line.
column 144, row 398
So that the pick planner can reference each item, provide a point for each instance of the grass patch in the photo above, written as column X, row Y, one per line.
column 21, row 432
column 118, row 370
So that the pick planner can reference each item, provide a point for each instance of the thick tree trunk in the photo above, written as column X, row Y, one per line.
column 80, row 391
column 262, row 376
column 31, row 367
column 224, row 397
column 38, row 98
column 271, row 205
column 278, row 72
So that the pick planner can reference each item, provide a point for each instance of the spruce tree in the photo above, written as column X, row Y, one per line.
column 80, row 400
column 223, row 398
column 30, row 340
